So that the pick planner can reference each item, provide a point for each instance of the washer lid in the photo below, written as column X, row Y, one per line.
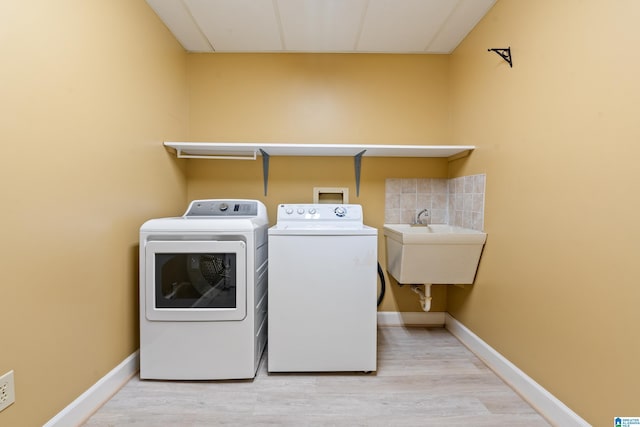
column 321, row 230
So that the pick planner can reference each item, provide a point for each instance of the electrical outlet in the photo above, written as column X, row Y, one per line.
column 7, row 390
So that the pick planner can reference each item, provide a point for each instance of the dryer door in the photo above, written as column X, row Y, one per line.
column 195, row 280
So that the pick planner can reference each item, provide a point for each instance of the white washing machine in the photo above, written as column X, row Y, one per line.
column 203, row 292
column 322, row 289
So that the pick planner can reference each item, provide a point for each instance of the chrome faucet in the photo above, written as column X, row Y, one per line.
column 420, row 220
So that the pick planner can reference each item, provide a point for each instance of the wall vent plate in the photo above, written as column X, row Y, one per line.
column 332, row 195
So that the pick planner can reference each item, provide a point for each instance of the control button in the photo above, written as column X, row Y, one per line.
column 300, row 211
column 312, row 211
column 289, row 211
column 340, row 211
column 224, row 207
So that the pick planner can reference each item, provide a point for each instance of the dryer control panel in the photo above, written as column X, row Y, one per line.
column 216, row 207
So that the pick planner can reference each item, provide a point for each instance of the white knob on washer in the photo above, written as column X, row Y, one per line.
column 300, row 211
column 288, row 211
column 312, row 211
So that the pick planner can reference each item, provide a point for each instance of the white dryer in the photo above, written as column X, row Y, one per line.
column 322, row 290
column 203, row 292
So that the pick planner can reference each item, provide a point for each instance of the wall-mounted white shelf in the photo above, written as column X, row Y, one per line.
column 250, row 151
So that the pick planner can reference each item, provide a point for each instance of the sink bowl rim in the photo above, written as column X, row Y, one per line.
column 433, row 234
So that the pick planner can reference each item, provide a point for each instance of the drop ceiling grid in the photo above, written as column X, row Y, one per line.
column 359, row 26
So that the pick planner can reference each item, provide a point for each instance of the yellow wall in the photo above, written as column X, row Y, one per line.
column 321, row 98
column 88, row 90
column 557, row 291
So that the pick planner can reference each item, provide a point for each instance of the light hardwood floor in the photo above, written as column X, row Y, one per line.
column 425, row 377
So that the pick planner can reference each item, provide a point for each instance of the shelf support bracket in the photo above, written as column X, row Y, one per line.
column 265, row 169
column 357, row 159
column 505, row 54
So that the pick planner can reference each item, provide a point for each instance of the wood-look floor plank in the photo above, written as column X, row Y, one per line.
column 425, row 377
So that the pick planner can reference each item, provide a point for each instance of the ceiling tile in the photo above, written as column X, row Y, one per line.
column 460, row 23
column 314, row 26
column 237, row 25
column 402, row 25
column 177, row 18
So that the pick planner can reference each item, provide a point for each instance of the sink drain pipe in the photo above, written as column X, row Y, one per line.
column 424, row 292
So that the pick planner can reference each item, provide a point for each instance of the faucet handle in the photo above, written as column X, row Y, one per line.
column 425, row 213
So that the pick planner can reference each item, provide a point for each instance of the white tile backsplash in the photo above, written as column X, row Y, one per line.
column 457, row 201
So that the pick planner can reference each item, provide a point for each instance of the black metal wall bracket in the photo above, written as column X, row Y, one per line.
column 265, row 169
column 357, row 160
column 505, row 54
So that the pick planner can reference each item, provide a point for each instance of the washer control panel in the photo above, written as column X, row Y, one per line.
column 319, row 212
column 214, row 207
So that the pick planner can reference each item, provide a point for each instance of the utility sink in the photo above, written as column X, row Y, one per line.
column 433, row 254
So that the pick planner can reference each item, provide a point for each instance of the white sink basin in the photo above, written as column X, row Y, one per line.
column 434, row 254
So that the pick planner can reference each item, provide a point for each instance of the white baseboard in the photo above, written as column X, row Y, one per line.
column 417, row 318
column 91, row 400
column 556, row 412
